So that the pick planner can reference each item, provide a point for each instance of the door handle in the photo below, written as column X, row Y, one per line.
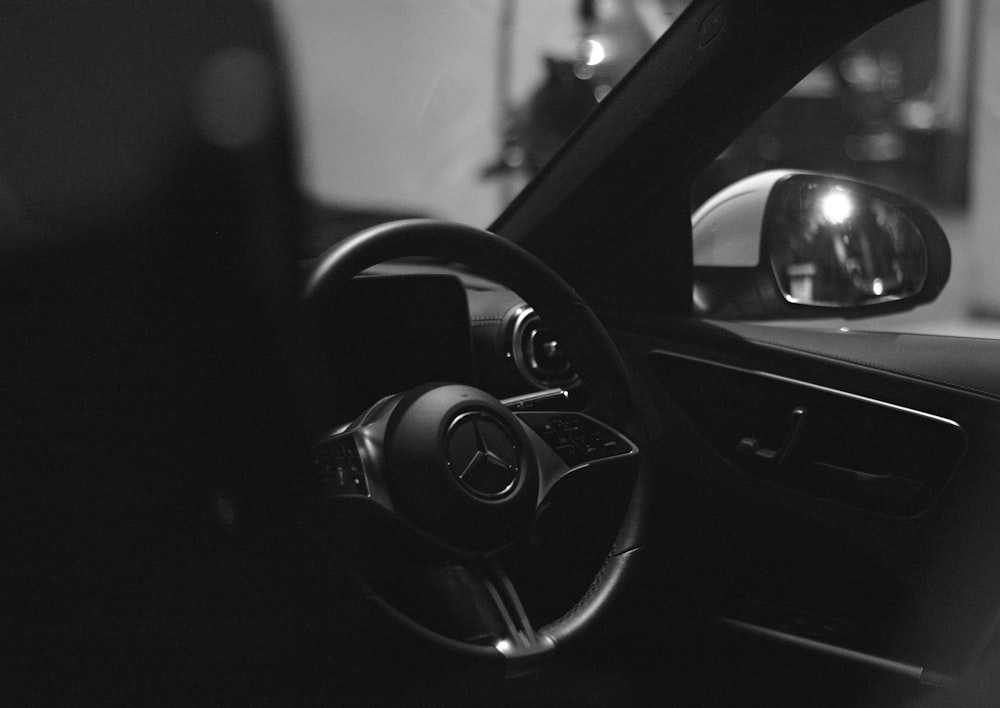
column 787, row 439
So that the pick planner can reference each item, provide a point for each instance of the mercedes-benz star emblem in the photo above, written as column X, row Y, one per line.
column 483, row 454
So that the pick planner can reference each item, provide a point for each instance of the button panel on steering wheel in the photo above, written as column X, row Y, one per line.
column 578, row 439
column 341, row 472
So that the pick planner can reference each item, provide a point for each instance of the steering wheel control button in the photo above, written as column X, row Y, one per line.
column 341, row 472
column 483, row 455
column 360, row 487
column 577, row 438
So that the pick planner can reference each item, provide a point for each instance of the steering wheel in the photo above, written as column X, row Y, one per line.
column 458, row 468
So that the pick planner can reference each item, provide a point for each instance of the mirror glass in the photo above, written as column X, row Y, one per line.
column 833, row 243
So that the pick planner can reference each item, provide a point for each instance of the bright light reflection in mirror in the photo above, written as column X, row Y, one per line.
column 837, row 243
column 836, row 207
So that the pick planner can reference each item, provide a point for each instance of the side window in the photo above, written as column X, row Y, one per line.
column 913, row 107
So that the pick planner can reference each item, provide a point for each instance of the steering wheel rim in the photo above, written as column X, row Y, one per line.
column 589, row 347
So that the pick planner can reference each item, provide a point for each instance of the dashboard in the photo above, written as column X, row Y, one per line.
column 402, row 324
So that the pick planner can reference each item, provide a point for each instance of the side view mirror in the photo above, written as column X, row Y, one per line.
column 797, row 245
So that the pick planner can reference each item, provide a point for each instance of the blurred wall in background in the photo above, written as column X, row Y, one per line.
column 984, row 203
column 399, row 97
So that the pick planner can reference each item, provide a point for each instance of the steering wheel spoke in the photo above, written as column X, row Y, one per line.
column 347, row 467
column 340, row 468
column 566, row 442
column 522, row 641
column 348, row 461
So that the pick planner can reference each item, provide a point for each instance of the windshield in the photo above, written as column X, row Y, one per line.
column 445, row 108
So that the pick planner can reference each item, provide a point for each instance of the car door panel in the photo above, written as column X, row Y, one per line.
column 963, row 363
column 827, row 547
column 832, row 444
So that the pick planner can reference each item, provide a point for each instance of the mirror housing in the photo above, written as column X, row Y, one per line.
column 799, row 245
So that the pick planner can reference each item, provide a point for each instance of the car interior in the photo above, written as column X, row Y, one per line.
column 437, row 464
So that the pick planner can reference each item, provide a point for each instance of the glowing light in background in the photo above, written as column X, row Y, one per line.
column 593, row 52
column 877, row 287
column 836, row 207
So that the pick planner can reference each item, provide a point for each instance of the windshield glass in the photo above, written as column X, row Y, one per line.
column 445, row 108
